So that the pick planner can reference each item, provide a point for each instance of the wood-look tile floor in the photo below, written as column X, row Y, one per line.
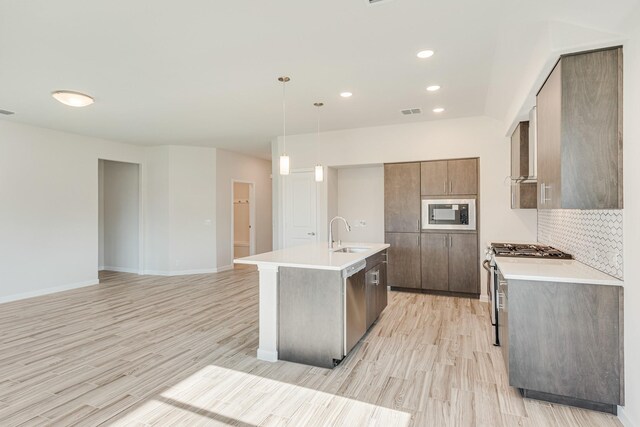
column 143, row 350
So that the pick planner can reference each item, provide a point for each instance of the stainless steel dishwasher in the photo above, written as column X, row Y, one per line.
column 355, row 315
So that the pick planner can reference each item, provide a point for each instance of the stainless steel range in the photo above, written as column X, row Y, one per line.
column 514, row 250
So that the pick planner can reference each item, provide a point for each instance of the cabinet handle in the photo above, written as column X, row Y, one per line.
column 444, row 240
column 311, row 234
column 450, row 241
column 450, row 187
column 513, row 198
column 444, row 187
column 542, row 196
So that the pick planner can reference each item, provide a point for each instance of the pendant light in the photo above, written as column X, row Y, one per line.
column 319, row 170
column 284, row 159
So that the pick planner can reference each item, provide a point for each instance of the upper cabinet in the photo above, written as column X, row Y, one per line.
column 402, row 197
column 579, row 130
column 523, row 194
column 449, row 177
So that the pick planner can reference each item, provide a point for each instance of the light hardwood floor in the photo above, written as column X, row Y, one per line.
column 143, row 350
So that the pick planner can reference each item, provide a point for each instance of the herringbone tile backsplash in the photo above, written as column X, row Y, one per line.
column 593, row 237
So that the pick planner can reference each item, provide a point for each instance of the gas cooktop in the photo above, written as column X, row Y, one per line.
column 528, row 251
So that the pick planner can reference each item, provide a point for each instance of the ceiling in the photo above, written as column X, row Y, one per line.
column 202, row 72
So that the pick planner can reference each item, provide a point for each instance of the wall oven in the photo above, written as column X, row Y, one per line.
column 448, row 214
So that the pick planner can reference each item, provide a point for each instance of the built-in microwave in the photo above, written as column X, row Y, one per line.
column 449, row 214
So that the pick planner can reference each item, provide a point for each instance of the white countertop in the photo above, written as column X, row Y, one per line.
column 315, row 256
column 553, row 270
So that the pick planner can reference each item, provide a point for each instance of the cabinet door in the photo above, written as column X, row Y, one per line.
column 382, row 289
column 402, row 197
column 371, row 295
column 463, row 176
column 435, row 261
column 433, row 178
column 549, row 106
column 464, row 262
column 403, row 259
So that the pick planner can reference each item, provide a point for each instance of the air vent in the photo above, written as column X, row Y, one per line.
column 411, row 111
column 6, row 113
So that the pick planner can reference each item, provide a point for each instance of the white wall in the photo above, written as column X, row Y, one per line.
column 233, row 166
column 49, row 208
column 632, row 226
column 361, row 198
column 192, row 209
column 481, row 137
column 119, row 212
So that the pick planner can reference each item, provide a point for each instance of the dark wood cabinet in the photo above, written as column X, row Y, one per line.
column 375, row 292
column 435, row 261
column 564, row 342
column 420, row 259
column 450, row 262
column 402, row 197
column 463, row 176
column 403, row 268
column 523, row 194
column 464, row 263
column 579, row 128
column 449, row 177
column 433, row 178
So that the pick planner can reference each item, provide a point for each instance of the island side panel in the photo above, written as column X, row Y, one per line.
column 565, row 339
column 311, row 311
column 268, row 313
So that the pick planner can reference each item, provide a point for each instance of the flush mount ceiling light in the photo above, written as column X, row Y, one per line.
column 346, row 94
column 433, row 88
column 423, row 54
column 284, row 159
column 438, row 110
column 72, row 99
column 319, row 170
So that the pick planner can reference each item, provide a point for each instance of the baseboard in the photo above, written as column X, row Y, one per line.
column 120, row 269
column 47, row 291
column 224, row 268
column 622, row 416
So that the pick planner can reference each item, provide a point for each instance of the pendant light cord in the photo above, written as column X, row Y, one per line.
column 284, row 117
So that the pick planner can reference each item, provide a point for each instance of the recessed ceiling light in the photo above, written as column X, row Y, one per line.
column 433, row 88
column 72, row 99
column 346, row 94
column 438, row 110
column 425, row 54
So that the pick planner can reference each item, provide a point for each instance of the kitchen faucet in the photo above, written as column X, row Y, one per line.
column 346, row 224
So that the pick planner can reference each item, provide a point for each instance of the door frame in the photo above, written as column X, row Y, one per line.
column 252, row 216
column 141, row 196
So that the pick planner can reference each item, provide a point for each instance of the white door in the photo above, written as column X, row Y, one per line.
column 300, row 209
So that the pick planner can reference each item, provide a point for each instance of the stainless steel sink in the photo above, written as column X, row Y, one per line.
column 353, row 250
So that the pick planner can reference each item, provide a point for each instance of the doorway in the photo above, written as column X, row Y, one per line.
column 243, row 219
column 119, row 217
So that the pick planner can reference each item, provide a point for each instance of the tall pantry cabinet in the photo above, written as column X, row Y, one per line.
column 441, row 261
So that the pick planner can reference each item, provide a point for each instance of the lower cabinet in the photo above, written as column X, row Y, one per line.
column 450, row 262
column 564, row 342
column 403, row 260
column 376, row 292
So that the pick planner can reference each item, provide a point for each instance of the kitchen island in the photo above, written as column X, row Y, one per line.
column 315, row 303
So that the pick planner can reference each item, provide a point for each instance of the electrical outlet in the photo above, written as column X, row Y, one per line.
column 362, row 223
